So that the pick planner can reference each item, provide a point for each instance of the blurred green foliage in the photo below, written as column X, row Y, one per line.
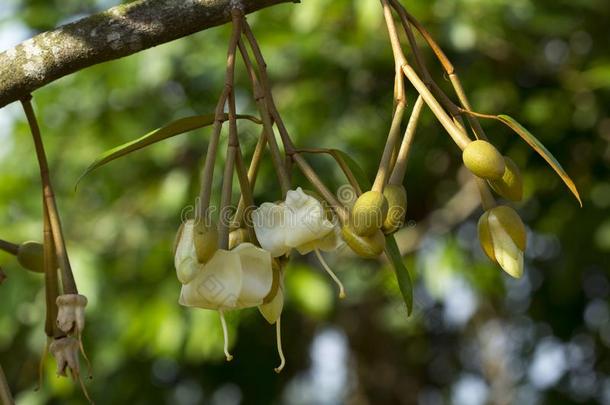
column 476, row 335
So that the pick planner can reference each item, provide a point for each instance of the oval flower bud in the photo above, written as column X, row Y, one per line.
column 510, row 186
column 237, row 237
column 205, row 238
column 368, row 213
column 31, row 256
column 365, row 246
column 503, row 238
column 483, row 160
column 397, row 207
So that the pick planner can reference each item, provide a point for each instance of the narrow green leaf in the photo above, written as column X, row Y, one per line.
column 391, row 248
column 174, row 128
column 402, row 274
column 535, row 144
column 355, row 169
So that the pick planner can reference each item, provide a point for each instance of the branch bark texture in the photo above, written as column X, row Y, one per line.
column 120, row 31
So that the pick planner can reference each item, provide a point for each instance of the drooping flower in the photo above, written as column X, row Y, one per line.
column 65, row 351
column 71, row 314
column 503, row 238
column 230, row 279
column 301, row 223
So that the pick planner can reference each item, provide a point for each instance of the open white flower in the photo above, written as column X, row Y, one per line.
column 231, row 279
column 299, row 222
column 503, row 238
column 71, row 312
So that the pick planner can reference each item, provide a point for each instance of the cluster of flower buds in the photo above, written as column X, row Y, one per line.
column 501, row 232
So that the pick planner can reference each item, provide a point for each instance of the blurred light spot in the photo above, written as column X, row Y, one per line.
column 581, row 42
column 549, row 363
column 596, row 285
column 8, row 117
column 600, row 195
column 596, row 314
column 462, row 36
column 556, row 51
column 469, row 390
column 430, row 396
column 228, row 394
column 12, row 33
column 326, row 381
column 188, row 393
column 602, row 236
column 460, row 302
column 164, row 370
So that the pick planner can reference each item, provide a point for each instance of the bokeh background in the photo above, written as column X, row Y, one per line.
column 476, row 336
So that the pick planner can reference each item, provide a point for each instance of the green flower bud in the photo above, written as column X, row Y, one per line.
column 484, row 160
column 205, row 238
column 397, row 207
column 503, row 238
column 510, row 186
column 368, row 213
column 365, row 246
column 31, row 256
column 237, row 237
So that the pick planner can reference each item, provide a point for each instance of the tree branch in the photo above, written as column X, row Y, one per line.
column 120, row 31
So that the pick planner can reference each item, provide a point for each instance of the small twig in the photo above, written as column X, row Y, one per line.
column 305, row 168
column 9, row 247
column 252, row 174
column 68, row 283
column 227, row 181
column 400, row 168
column 5, row 390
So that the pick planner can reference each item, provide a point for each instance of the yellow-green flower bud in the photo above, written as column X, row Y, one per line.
column 484, row 160
column 368, row 213
column 397, row 207
column 31, row 256
column 205, row 238
column 365, row 246
column 503, row 238
column 510, row 186
column 237, row 237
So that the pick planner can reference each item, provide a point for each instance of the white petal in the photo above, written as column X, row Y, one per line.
column 508, row 255
column 332, row 241
column 257, row 275
column 270, row 228
column 217, row 286
column 272, row 310
column 306, row 219
column 185, row 259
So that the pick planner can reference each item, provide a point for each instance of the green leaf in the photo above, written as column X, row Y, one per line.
column 174, row 128
column 402, row 274
column 535, row 144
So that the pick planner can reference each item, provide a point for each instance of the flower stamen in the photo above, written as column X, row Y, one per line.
column 225, row 335
column 330, row 273
column 278, row 335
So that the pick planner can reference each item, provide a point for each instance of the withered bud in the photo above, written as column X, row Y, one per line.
column 71, row 314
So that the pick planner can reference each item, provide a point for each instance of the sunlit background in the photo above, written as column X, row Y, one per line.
column 476, row 336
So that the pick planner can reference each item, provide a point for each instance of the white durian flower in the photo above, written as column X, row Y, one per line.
column 299, row 222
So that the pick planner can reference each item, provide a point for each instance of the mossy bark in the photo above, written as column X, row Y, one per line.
column 120, row 31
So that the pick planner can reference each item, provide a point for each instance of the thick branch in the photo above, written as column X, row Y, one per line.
column 117, row 32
